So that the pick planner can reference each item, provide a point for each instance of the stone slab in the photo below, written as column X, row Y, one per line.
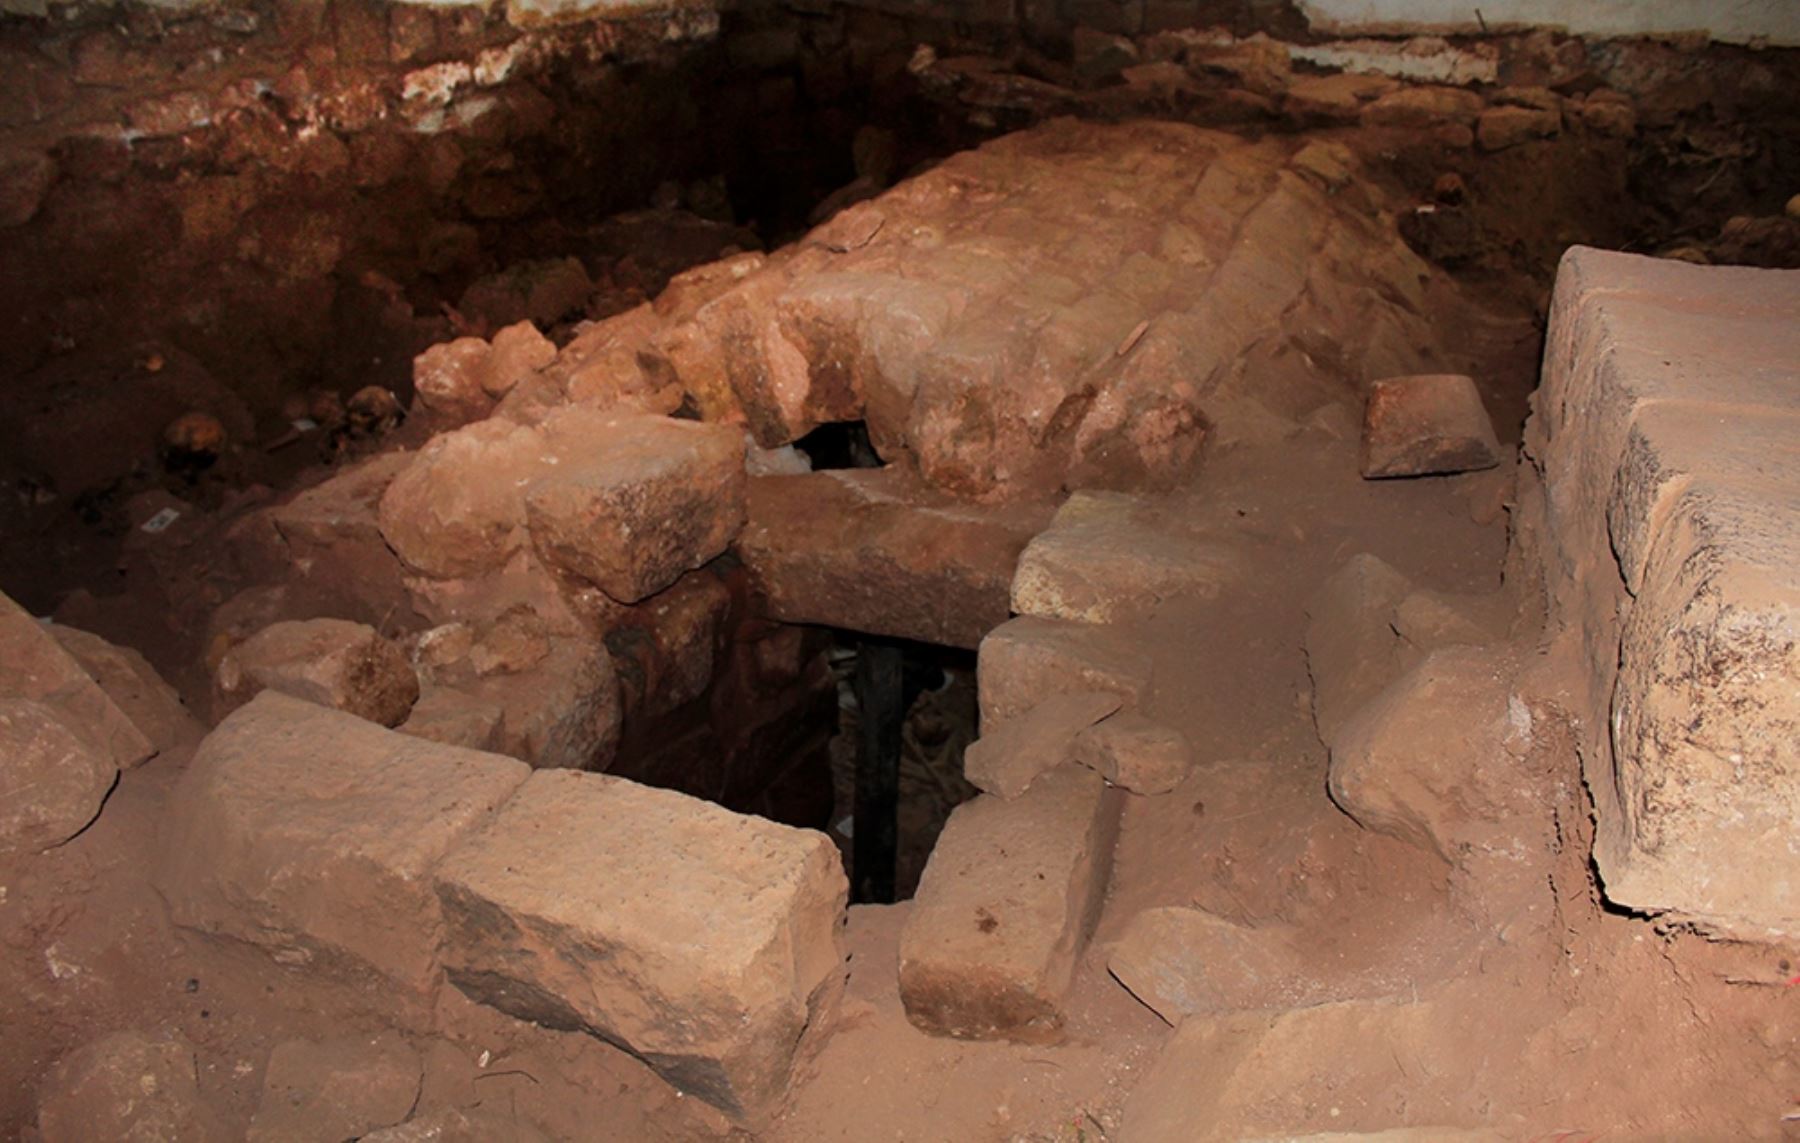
column 1005, row 906
column 707, row 943
column 312, row 834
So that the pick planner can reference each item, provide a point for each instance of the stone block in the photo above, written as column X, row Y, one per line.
column 1104, row 559
column 876, row 550
column 1426, row 425
column 34, row 666
column 1027, row 659
column 1503, row 127
column 334, row 541
column 456, row 717
column 56, row 778
column 634, row 502
column 312, row 834
column 1005, row 906
column 457, row 510
column 1182, row 962
column 333, row 662
column 1008, row 758
column 128, row 679
column 1138, row 753
column 1434, row 760
column 1706, row 761
column 1423, row 106
column 706, row 943
column 448, row 377
column 342, row 1088
column 126, row 1085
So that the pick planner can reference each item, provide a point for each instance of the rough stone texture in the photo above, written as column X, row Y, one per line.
column 479, row 1124
column 1006, row 903
column 1025, row 660
column 563, row 713
column 128, row 679
column 456, row 717
column 53, row 776
column 1662, row 442
column 636, row 501
column 1436, row 759
column 456, row 509
column 1008, row 758
column 1000, row 365
column 1290, row 1074
column 1138, row 753
column 706, row 943
column 334, row 543
column 1423, row 106
column 336, row 1089
column 877, row 550
column 33, row 666
column 1106, row 558
column 448, row 380
column 1181, row 961
column 1503, row 127
column 333, row 662
column 313, row 835
column 1426, row 425
column 519, row 350
column 126, row 1086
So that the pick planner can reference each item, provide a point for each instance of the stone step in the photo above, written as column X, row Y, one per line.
column 1005, row 907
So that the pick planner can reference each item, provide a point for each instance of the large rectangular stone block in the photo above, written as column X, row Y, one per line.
column 707, row 943
column 875, row 550
column 1006, row 904
column 312, row 834
column 1025, row 660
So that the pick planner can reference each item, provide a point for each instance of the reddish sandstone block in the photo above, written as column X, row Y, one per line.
column 1135, row 752
column 34, row 666
column 456, row 511
column 56, row 778
column 1023, row 661
column 1007, row 759
column 1005, row 906
column 312, row 834
column 1425, row 425
column 333, row 662
column 634, row 502
column 706, row 943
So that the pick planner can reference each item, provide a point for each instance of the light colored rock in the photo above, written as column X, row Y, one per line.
column 707, row 943
column 1027, row 659
column 634, row 502
column 518, row 351
column 55, row 777
column 1181, row 962
column 563, row 713
column 1434, row 760
column 456, row 717
column 342, row 1088
column 313, row 834
column 1008, row 758
column 1426, row 425
column 1138, row 753
column 1503, row 127
column 458, row 510
column 1005, row 906
column 333, row 662
column 448, row 379
column 1423, row 106
column 127, row 1086
column 1103, row 561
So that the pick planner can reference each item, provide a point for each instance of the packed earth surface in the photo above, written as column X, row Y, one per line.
column 1332, row 534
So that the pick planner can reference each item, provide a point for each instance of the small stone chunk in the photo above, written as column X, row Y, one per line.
column 1007, row 759
column 127, row 1086
column 55, row 778
column 1007, row 902
column 1138, row 753
column 1426, row 425
column 333, row 662
column 1181, row 961
column 1027, row 659
column 312, row 834
column 636, row 501
column 456, row 509
column 707, row 943
column 336, row 1089
column 448, row 379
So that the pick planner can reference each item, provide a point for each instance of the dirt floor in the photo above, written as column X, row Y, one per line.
column 1549, row 1016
